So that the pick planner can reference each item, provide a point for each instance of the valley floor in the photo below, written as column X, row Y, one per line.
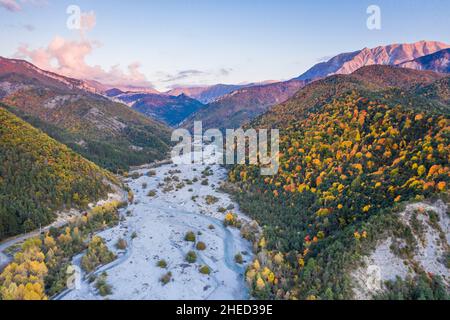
column 155, row 227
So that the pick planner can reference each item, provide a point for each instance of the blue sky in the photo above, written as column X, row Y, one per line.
column 172, row 42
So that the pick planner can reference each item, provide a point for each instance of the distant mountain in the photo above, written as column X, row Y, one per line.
column 30, row 74
column 438, row 62
column 394, row 54
column 163, row 107
column 169, row 109
column 207, row 94
column 106, row 132
column 137, row 89
column 99, row 88
column 102, row 88
column 241, row 106
column 114, row 92
column 39, row 175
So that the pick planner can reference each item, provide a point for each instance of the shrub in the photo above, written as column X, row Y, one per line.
column 135, row 175
column 165, row 279
column 151, row 193
column 205, row 182
column 211, row 199
column 104, row 289
column 238, row 258
column 92, row 278
column 190, row 236
column 130, row 196
column 97, row 254
column 205, row 270
column 191, row 257
column 232, row 220
column 207, row 172
column 221, row 209
column 230, row 207
column 162, row 264
column 121, row 244
column 201, row 246
column 180, row 185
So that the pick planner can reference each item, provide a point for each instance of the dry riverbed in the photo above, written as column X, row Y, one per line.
column 168, row 203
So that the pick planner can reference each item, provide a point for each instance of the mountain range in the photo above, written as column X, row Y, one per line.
column 208, row 94
column 394, row 54
column 237, row 108
column 231, row 106
column 221, row 106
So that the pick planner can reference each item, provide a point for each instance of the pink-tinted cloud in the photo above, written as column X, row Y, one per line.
column 10, row 5
column 16, row 5
column 68, row 57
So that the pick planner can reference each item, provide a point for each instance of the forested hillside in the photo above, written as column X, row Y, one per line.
column 371, row 78
column 349, row 158
column 39, row 176
column 108, row 133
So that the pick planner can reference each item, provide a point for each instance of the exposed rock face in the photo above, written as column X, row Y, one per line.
column 394, row 54
column 437, row 62
column 429, row 224
column 11, row 68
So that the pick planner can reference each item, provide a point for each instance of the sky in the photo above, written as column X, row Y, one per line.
column 169, row 43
